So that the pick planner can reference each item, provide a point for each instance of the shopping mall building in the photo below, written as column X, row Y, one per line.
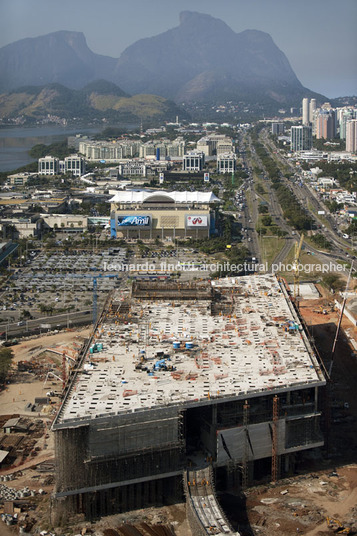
column 148, row 214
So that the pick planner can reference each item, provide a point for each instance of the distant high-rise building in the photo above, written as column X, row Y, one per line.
column 305, row 111
column 344, row 115
column 351, row 136
column 277, row 128
column 326, row 124
column 312, row 109
column 301, row 138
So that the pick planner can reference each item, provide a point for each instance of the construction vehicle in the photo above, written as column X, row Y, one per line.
column 337, row 527
column 320, row 311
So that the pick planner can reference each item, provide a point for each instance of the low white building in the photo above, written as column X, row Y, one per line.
column 48, row 165
column 226, row 163
column 193, row 161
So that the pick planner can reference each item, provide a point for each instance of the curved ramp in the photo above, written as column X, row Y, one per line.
column 205, row 513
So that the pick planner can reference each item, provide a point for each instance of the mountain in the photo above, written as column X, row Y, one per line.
column 203, row 59
column 60, row 57
column 97, row 100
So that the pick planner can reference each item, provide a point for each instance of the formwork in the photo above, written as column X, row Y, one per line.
column 222, row 373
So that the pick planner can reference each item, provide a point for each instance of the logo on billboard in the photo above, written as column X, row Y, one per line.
column 197, row 221
column 133, row 221
column 206, row 177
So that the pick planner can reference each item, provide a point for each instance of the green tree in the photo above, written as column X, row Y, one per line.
column 6, row 356
column 333, row 281
column 267, row 220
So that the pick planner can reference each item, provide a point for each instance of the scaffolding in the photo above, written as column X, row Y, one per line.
column 214, row 354
column 274, row 444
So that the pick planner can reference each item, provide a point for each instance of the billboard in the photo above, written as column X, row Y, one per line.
column 134, row 221
column 206, row 177
column 196, row 221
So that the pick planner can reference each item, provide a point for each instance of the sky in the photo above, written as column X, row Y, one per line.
column 318, row 37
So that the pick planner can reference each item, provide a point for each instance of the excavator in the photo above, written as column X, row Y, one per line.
column 337, row 526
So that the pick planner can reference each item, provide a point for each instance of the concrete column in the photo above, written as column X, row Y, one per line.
column 316, row 398
column 214, row 414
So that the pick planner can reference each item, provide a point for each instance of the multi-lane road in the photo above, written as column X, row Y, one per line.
column 306, row 196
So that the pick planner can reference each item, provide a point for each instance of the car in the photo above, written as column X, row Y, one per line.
column 22, row 323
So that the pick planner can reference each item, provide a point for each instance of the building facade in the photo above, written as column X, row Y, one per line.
column 277, row 128
column 48, row 165
column 149, row 214
column 193, row 161
column 351, row 136
column 226, row 163
column 325, row 124
column 301, row 138
column 305, row 112
column 75, row 165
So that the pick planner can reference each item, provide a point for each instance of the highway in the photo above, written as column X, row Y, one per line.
column 274, row 210
column 44, row 324
column 304, row 194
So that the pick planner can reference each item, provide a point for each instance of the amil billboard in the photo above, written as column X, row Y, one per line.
column 134, row 221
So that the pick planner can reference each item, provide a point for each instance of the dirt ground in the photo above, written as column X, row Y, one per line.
column 174, row 516
column 26, row 387
column 22, row 389
column 24, row 349
column 300, row 505
column 326, row 483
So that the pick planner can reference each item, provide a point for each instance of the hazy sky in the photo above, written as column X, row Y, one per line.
column 319, row 37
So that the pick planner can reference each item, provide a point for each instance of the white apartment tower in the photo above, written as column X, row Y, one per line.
column 312, row 109
column 305, row 112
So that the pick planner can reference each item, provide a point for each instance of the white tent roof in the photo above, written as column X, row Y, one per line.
column 140, row 196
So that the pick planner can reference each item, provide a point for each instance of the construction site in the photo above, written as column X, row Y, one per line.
column 182, row 385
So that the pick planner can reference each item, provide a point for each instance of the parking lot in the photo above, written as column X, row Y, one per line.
column 57, row 287
column 56, row 283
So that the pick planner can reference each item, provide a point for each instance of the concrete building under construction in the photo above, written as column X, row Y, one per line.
column 218, row 376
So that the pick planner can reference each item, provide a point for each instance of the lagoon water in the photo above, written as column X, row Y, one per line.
column 15, row 142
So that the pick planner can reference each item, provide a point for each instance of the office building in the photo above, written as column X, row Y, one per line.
column 48, row 165
column 226, row 163
column 301, row 138
column 193, row 161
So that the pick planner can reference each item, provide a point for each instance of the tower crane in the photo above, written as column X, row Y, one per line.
column 298, row 246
